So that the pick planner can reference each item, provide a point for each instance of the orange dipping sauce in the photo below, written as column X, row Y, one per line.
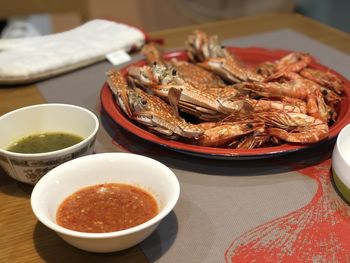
column 106, row 208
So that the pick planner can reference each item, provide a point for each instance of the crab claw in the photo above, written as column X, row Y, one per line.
column 216, row 58
column 119, row 87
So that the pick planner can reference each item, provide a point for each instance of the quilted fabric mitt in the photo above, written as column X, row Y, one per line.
column 30, row 59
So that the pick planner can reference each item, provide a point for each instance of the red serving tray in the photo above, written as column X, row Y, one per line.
column 251, row 56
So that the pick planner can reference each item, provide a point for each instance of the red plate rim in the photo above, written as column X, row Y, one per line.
column 252, row 55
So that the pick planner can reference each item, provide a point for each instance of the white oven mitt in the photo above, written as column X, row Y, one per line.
column 30, row 59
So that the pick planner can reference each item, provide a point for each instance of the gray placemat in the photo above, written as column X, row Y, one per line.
column 220, row 200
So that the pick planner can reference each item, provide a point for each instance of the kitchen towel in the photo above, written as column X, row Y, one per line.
column 31, row 59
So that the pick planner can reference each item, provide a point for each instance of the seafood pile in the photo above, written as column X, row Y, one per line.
column 213, row 99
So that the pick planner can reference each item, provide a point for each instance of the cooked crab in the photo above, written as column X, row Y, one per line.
column 149, row 110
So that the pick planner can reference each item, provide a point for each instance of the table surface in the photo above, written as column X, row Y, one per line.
column 23, row 239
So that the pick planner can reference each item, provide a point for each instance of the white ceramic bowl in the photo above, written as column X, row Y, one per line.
column 341, row 162
column 29, row 168
column 133, row 169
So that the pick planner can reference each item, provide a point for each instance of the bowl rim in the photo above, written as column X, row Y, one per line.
column 57, row 152
column 338, row 142
column 339, row 160
column 149, row 223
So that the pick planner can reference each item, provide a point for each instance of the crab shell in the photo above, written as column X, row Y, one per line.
column 149, row 110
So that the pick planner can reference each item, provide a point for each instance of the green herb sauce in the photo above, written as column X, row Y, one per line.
column 44, row 142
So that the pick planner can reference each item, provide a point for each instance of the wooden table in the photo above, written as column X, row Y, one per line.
column 23, row 239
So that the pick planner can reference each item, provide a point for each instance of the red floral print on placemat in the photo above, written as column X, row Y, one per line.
column 318, row 232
